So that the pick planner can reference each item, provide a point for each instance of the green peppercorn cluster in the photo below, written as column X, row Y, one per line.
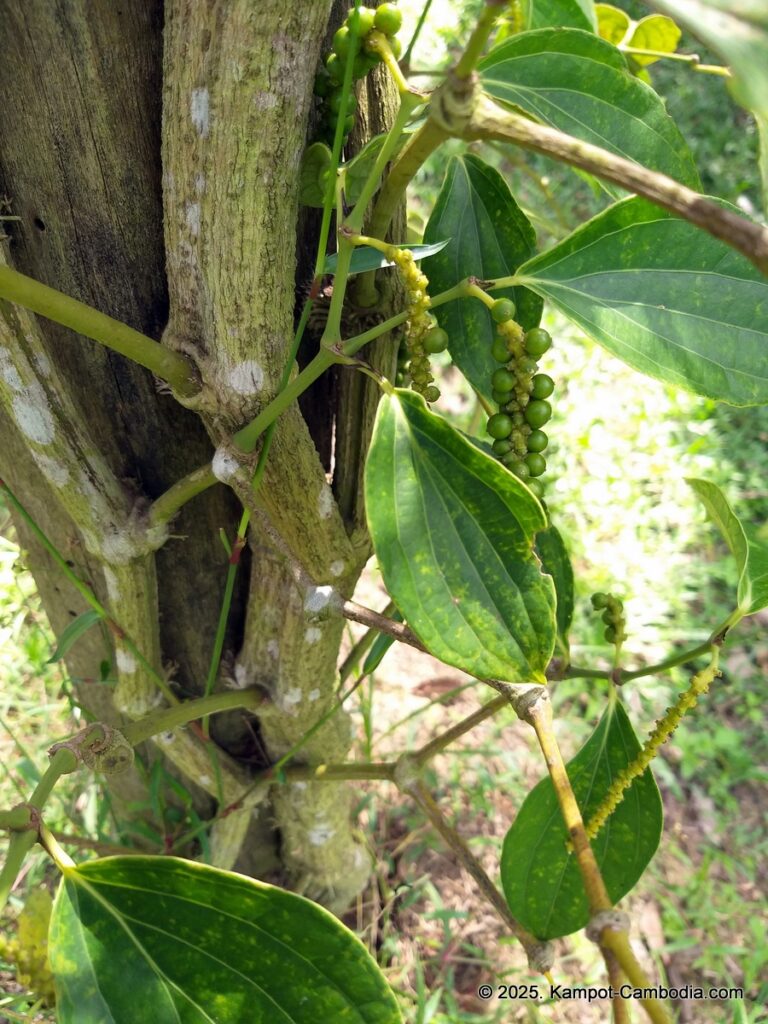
column 613, row 616
column 386, row 19
column 521, row 394
column 423, row 337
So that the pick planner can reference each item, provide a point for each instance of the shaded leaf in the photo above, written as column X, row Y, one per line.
column 656, row 32
column 738, row 31
column 490, row 237
column 670, row 300
column 366, row 258
column 165, row 940
column 580, row 84
column 612, row 23
column 453, row 534
column 556, row 562
column 558, row 13
column 73, row 632
column 748, row 546
column 317, row 159
column 540, row 877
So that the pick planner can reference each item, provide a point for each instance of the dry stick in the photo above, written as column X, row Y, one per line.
column 367, row 617
column 439, row 743
column 539, row 953
column 490, row 121
column 608, row 930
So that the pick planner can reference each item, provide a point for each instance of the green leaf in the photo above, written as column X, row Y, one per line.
column 612, row 23
column 579, row 83
column 165, row 940
column 540, row 877
column 490, row 237
column 558, row 13
column 316, row 160
column 453, row 534
column 367, row 258
column 738, row 31
column 556, row 562
column 670, row 300
column 748, row 546
column 656, row 32
column 73, row 632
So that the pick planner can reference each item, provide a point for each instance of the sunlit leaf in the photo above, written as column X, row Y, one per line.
column 748, row 546
column 367, row 258
column 738, row 31
column 541, row 880
column 490, row 237
column 656, row 32
column 664, row 296
column 580, row 84
column 612, row 23
column 165, row 940
column 453, row 534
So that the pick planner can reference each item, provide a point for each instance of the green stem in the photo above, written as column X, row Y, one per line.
column 16, row 819
column 163, row 362
column 87, row 594
column 247, row 438
column 688, row 58
column 190, row 711
column 168, row 504
column 406, row 59
column 62, row 763
column 480, row 36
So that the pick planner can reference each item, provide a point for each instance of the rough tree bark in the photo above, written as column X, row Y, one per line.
column 152, row 156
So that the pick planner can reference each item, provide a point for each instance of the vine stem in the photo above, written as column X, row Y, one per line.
column 611, row 938
column 170, row 366
column 62, row 763
column 190, row 710
column 416, row 789
column 88, row 595
column 489, row 121
column 481, row 33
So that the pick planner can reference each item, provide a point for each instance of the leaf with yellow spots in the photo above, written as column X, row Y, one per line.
column 169, row 941
column 453, row 532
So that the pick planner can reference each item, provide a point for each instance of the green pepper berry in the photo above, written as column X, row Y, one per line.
column 608, row 617
column 499, row 426
column 502, row 447
column 537, row 441
column 349, row 123
column 388, row 19
column 503, row 380
column 520, row 469
column 536, row 463
column 436, row 340
column 503, row 310
column 432, row 393
column 395, row 46
column 537, row 487
column 335, row 68
column 537, row 341
column 500, row 397
column 499, row 350
column 334, row 102
column 610, row 634
column 538, row 412
column 543, row 386
column 600, row 600
column 527, row 365
column 399, row 378
column 341, row 43
column 363, row 18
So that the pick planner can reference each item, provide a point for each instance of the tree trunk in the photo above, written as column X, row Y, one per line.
column 152, row 156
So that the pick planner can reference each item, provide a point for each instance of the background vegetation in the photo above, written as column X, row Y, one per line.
column 622, row 445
